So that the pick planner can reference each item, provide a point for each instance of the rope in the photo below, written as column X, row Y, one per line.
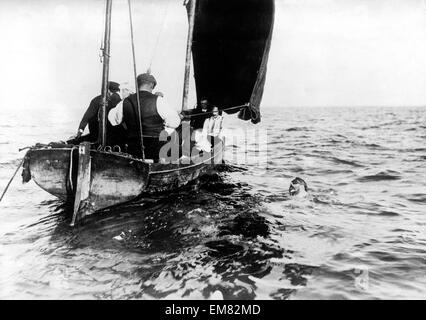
column 163, row 24
column 136, row 80
column 71, row 167
column 211, row 112
column 11, row 179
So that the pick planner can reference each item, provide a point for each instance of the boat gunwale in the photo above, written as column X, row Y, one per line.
column 152, row 170
column 183, row 167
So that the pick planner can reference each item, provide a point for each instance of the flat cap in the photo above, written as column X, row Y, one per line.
column 113, row 86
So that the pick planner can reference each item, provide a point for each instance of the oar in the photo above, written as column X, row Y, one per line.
column 11, row 179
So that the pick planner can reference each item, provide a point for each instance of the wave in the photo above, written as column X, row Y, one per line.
column 387, row 213
column 386, row 124
column 347, row 162
column 9, row 164
column 381, row 176
column 298, row 129
column 384, row 256
column 334, row 171
column 412, row 150
column 371, row 146
column 417, row 198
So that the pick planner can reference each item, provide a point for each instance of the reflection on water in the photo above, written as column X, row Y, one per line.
column 240, row 235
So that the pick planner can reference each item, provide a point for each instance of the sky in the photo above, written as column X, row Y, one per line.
column 324, row 52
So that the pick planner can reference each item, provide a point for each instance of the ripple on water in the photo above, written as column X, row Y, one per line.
column 241, row 236
column 418, row 198
column 381, row 176
column 352, row 163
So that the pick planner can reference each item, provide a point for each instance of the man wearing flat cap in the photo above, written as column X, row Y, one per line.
column 91, row 115
column 156, row 115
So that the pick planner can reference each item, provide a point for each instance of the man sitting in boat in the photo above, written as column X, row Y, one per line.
column 212, row 131
column 91, row 117
column 158, row 119
column 201, row 113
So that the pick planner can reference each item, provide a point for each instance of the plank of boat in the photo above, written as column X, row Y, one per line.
column 50, row 170
column 114, row 178
column 163, row 177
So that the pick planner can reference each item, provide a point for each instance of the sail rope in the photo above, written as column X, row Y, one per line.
column 204, row 113
column 11, row 179
column 136, row 80
column 157, row 41
column 211, row 112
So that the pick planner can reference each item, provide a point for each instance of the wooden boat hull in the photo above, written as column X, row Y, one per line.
column 50, row 170
column 114, row 178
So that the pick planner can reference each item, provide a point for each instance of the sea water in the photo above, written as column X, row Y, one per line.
column 359, row 232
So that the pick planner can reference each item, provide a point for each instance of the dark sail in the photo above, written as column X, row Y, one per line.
column 231, row 43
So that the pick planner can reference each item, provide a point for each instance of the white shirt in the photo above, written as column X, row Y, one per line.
column 170, row 116
column 213, row 126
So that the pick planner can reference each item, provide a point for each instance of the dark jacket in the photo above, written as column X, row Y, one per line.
column 199, row 116
column 152, row 124
column 91, row 115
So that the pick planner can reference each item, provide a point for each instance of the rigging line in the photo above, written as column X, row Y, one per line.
column 163, row 24
column 11, row 179
column 136, row 80
column 211, row 112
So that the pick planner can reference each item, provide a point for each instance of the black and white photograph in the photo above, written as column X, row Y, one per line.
column 223, row 152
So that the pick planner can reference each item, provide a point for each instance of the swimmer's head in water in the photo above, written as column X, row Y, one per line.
column 296, row 186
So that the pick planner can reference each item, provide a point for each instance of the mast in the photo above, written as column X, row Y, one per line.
column 105, row 75
column 192, row 5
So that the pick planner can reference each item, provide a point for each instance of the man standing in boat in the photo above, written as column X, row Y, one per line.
column 158, row 119
column 91, row 116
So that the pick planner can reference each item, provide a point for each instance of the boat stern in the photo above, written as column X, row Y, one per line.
column 50, row 170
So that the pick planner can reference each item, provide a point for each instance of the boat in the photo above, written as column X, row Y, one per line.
column 228, row 41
